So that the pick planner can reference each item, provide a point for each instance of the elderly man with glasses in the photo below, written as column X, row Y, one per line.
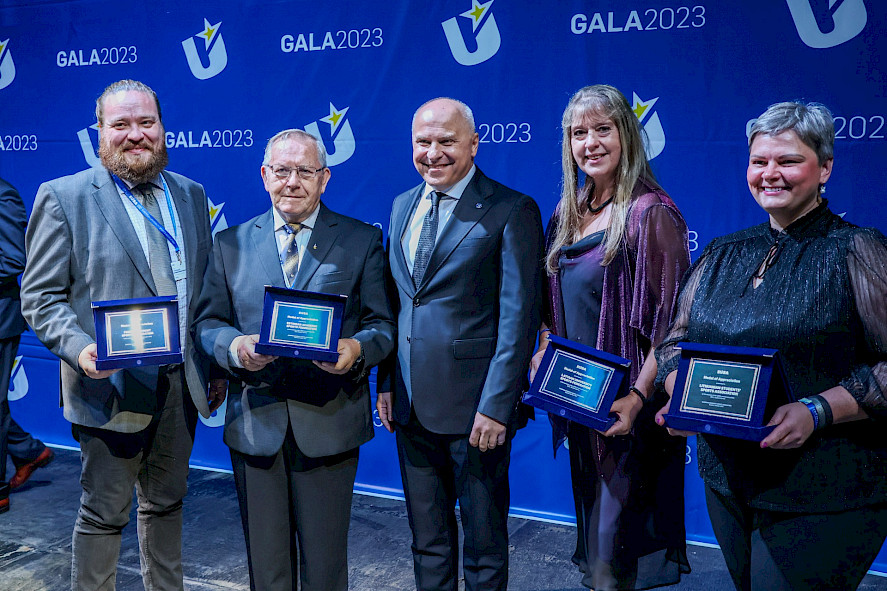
column 294, row 426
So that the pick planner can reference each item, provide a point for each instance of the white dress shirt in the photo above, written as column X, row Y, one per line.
column 410, row 239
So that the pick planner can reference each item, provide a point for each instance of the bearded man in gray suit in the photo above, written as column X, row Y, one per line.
column 294, row 426
column 89, row 240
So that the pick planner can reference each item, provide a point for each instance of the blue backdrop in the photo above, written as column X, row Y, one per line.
column 231, row 74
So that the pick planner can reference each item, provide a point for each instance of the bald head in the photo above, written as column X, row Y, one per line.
column 429, row 108
column 444, row 142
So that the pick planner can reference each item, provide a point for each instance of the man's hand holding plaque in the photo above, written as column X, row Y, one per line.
column 245, row 346
column 87, row 358
column 349, row 353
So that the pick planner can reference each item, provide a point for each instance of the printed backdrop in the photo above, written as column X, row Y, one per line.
column 231, row 74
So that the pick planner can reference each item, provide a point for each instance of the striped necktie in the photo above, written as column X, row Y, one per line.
column 291, row 254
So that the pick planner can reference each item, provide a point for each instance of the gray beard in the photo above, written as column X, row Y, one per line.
column 115, row 161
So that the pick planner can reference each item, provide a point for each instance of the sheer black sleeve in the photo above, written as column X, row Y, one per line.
column 867, row 264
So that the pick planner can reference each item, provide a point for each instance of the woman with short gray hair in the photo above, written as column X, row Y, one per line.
column 806, row 508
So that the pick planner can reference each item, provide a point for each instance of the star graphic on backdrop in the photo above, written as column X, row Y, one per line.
column 640, row 107
column 335, row 117
column 478, row 9
column 209, row 30
column 214, row 210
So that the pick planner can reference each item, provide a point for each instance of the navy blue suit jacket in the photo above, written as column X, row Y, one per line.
column 13, row 220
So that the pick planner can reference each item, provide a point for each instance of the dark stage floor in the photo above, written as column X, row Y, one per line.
column 35, row 542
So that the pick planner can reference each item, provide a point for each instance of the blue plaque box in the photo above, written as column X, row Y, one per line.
column 137, row 332
column 301, row 324
column 728, row 391
column 578, row 382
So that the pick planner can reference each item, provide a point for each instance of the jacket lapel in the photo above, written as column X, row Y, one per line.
column 323, row 235
column 265, row 247
column 111, row 207
column 400, row 219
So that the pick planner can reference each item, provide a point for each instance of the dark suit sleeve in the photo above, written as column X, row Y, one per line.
column 46, row 283
column 385, row 375
column 13, row 219
column 519, row 297
column 213, row 327
column 376, row 325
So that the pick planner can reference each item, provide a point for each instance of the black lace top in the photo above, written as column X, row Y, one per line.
column 823, row 304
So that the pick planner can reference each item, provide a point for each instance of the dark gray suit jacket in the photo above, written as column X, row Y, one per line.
column 329, row 414
column 465, row 336
column 82, row 248
column 13, row 219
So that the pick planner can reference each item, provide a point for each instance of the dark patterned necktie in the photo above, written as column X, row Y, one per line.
column 427, row 237
column 158, row 251
column 291, row 254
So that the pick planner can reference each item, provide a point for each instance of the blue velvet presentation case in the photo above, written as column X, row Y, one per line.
column 579, row 383
column 154, row 341
column 728, row 391
column 301, row 324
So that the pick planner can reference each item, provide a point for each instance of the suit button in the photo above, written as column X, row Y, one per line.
column 416, row 303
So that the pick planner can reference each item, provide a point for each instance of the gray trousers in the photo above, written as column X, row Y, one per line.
column 155, row 462
column 295, row 512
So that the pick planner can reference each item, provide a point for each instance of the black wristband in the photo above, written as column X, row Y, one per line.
column 639, row 393
column 826, row 416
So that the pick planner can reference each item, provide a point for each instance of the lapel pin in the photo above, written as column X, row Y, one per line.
column 478, row 205
column 315, row 246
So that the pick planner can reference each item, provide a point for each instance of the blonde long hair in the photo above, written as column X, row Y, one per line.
column 608, row 102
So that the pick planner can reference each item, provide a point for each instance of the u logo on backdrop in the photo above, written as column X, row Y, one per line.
column 85, row 138
column 208, row 58
column 18, row 384
column 340, row 133
column 7, row 66
column 649, row 119
column 486, row 38
column 843, row 20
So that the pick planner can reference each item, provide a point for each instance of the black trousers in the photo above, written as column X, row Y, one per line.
column 14, row 441
column 776, row 551
column 437, row 470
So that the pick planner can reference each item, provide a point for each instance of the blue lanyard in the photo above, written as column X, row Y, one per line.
column 157, row 224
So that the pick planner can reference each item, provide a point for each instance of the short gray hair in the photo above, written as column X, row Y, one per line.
column 811, row 122
column 298, row 135
column 122, row 86
column 464, row 109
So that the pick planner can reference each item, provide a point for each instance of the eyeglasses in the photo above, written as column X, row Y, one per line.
column 306, row 174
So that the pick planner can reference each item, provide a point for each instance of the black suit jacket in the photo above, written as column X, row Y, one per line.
column 465, row 336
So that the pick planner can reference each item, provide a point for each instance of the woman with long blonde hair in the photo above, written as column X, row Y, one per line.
column 616, row 252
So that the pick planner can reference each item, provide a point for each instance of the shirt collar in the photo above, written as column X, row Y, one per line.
column 309, row 223
column 155, row 181
column 454, row 192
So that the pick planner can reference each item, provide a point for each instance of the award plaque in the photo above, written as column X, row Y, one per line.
column 578, row 382
column 137, row 332
column 729, row 391
column 301, row 324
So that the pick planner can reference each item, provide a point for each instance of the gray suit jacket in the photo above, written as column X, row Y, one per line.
column 328, row 414
column 83, row 248
column 465, row 336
